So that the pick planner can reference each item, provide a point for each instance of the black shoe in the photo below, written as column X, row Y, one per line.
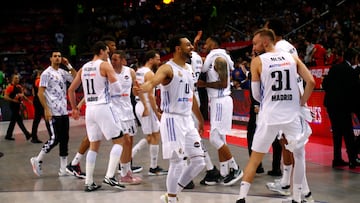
column 339, row 163
column 158, row 171
column 260, row 170
column 91, row 187
column 75, row 171
column 190, row 185
column 136, row 169
column 28, row 136
column 9, row 138
column 233, row 176
column 36, row 141
column 240, row 200
column 1, row 154
column 274, row 173
column 212, row 177
column 354, row 164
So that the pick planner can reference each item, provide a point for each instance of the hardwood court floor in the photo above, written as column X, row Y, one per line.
column 19, row 184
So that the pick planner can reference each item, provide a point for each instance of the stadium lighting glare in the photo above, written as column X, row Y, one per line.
column 167, row 1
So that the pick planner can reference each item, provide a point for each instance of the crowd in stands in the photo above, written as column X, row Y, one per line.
column 30, row 32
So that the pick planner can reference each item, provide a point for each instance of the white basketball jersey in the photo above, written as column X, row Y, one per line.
column 177, row 96
column 140, row 78
column 95, row 86
column 196, row 64
column 286, row 46
column 122, row 100
column 280, row 97
column 213, row 76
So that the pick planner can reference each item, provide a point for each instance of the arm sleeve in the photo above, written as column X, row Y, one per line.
column 255, row 89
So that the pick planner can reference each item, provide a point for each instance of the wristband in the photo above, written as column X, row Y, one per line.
column 69, row 66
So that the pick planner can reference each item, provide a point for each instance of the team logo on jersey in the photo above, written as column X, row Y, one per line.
column 197, row 144
column 126, row 77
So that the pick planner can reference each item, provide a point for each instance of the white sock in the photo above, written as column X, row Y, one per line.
column 125, row 168
column 224, row 168
column 208, row 162
column 76, row 159
column 154, row 153
column 90, row 166
column 244, row 189
column 63, row 163
column 115, row 154
column 138, row 146
column 285, row 180
column 232, row 163
column 41, row 155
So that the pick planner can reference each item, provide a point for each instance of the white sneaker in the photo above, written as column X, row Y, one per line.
column 62, row 173
column 307, row 198
column 129, row 179
column 278, row 180
column 36, row 166
column 276, row 187
column 113, row 183
column 165, row 199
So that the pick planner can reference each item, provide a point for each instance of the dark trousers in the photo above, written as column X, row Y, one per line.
column 341, row 124
column 276, row 146
column 38, row 114
column 357, row 139
column 58, row 128
column 16, row 118
column 251, row 127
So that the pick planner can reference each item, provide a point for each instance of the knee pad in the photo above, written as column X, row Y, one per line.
column 216, row 139
column 197, row 164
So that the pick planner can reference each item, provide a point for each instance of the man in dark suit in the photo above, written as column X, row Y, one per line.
column 339, row 86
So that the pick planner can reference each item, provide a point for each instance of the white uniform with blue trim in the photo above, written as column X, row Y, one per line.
column 100, row 117
column 221, row 103
column 122, row 102
column 149, row 124
column 177, row 129
column 280, row 101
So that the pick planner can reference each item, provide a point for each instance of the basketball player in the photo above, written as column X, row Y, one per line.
column 148, row 114
column 274, row 85
column 221, row 107
column 180, row 138
column 99, row 82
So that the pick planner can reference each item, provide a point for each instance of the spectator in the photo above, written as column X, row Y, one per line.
column 318, row 55
column 15, row 95
column 339, row 86
column 39, row 110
